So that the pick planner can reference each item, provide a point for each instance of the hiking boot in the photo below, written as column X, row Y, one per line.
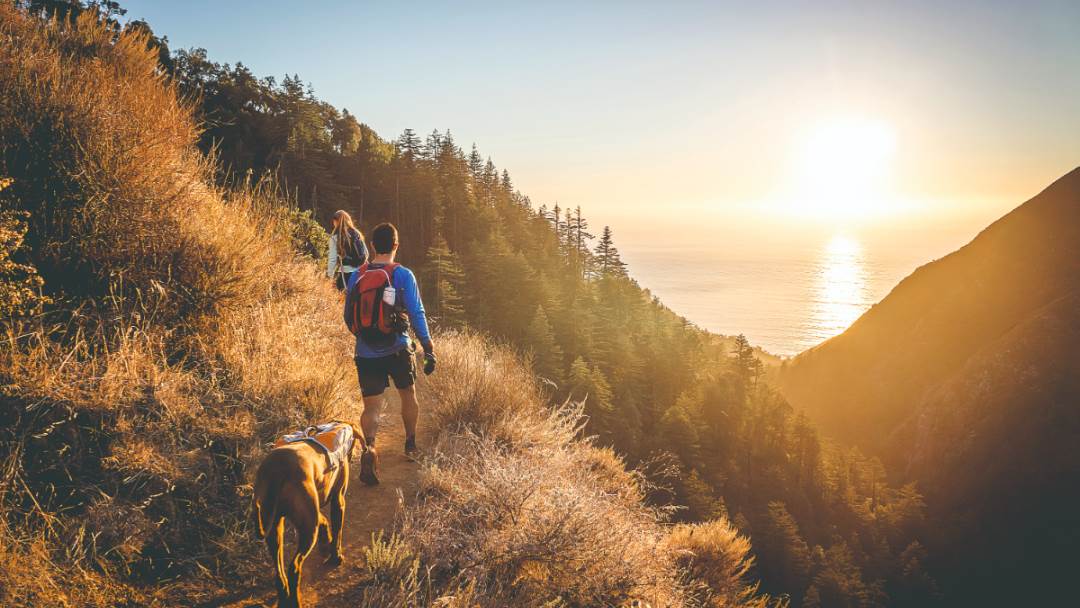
column 369, row 467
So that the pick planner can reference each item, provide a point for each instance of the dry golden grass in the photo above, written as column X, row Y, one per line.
column 188, row 332
column 514, row 508
column 716, row 561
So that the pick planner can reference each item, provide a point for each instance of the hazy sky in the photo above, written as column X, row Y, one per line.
column 688, row 113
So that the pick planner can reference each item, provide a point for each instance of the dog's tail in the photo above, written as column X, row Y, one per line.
column 265, row 504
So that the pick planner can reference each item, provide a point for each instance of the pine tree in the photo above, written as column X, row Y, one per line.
column 678, row 434
column 580, row 237
column 449, row 159
column 547, row 356
column 747, row 365
column 840, row 581
column 433, row 145
column 608, row 262
column 581, row 231
column 807, row 453
column 568, row 231
column 784, row 557
column 568, row 243
column 698, row 497
column 476, row 163
column 555, row 218
column 916, row 587
column 408, row 146
column 444, row 279
column 587, row 382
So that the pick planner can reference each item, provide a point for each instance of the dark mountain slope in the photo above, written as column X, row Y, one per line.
column 966, row 378
column 864, row 383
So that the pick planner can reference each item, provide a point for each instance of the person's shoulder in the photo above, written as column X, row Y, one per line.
column 403, row 276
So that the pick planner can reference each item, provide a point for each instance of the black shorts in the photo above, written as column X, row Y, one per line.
column 375, row 374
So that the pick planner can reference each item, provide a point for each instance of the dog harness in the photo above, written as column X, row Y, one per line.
column 334, row 439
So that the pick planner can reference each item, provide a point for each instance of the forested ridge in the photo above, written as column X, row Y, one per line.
column 975, row 398
column 691, row 407
column 693, row 410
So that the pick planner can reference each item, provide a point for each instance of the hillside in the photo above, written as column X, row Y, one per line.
column 160, row 329
column 184, row 322
column 965, row 378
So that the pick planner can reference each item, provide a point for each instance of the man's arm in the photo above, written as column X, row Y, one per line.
column 415, row 309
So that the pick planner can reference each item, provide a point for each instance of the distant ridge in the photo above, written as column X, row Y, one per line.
column 966, row 377
column 941, row 315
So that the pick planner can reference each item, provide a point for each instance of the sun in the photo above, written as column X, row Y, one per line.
column 842, row 168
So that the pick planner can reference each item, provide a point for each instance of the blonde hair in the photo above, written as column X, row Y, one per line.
column 341, row 226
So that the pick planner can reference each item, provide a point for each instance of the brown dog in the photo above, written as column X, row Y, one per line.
column 295, row 482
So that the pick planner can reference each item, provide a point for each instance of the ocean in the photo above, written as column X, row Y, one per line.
column 784, row 299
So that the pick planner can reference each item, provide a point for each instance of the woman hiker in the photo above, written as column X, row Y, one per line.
column 347, row 250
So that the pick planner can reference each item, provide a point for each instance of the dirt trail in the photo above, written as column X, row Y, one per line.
column 368, row 509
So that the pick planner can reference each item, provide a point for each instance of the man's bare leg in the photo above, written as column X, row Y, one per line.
column 410, row 410
column 369, row 420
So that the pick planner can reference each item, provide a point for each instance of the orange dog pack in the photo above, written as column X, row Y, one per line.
column 331, row 438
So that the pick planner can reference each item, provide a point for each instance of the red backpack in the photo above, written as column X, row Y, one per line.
column 368, row 316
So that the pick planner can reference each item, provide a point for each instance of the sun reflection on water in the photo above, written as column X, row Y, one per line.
column 841, row 292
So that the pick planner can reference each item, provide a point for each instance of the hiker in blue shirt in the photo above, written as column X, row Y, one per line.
column 384, row 350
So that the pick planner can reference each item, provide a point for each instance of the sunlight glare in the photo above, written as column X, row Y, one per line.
column 842, row 168
column 842, row 291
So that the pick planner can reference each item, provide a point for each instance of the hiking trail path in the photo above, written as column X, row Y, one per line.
column 368, row 509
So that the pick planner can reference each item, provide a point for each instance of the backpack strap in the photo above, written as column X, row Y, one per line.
column 354, row 241
column 390, row 268
column 387, row 268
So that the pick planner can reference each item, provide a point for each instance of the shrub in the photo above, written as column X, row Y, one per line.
column 717, row 559
column 389, row 560
column 20, row 285
column 308, row 236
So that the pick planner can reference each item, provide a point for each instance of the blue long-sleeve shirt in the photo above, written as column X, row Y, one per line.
column 405, row 284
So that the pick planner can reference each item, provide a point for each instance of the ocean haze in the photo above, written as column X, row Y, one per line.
column 784, row 298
